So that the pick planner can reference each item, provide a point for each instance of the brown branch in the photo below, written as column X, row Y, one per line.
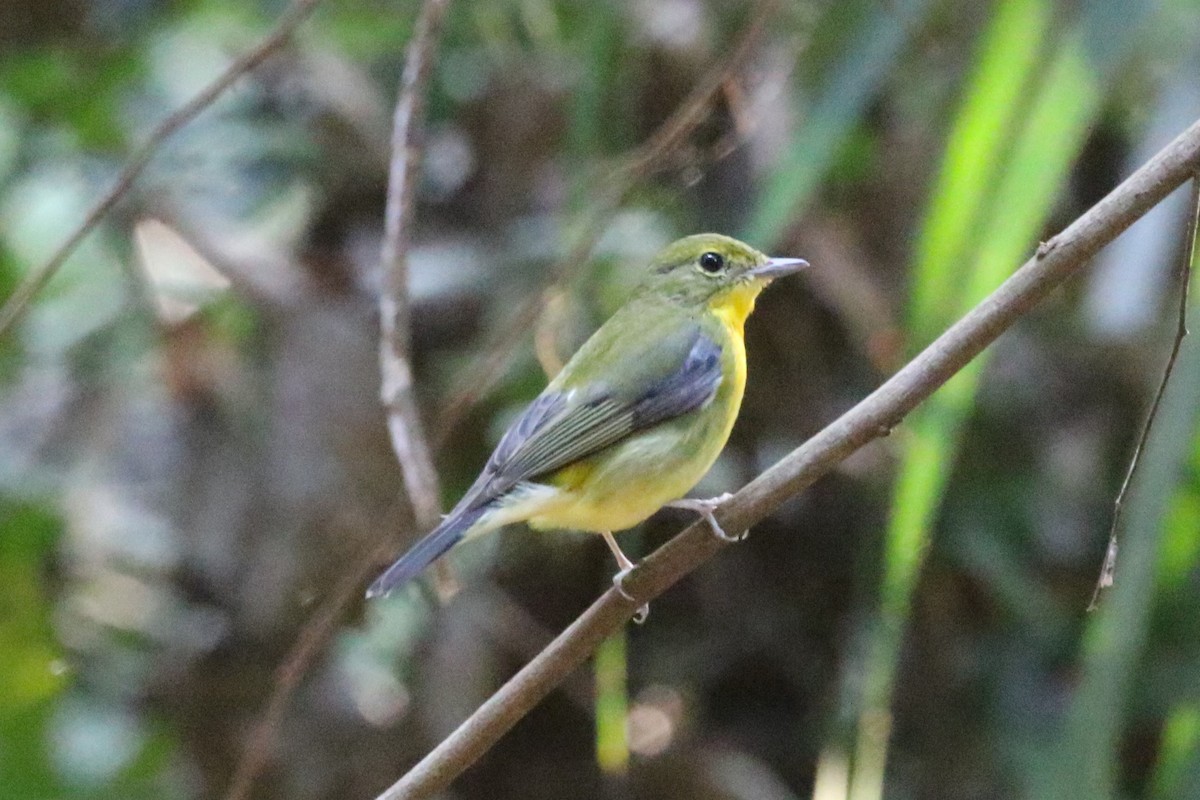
column 643, row 162
column 408, row 441
column 396, row 381
column 33, row 282
column 1054, row 262
column 1109, row 567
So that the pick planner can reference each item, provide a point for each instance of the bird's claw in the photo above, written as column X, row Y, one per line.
column 705, row 508
column 643, row 611
column 720, row 533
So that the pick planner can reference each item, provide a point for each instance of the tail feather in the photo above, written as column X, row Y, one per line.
column 425, row 552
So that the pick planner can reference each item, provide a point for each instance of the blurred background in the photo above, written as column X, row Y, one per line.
column 194, row 465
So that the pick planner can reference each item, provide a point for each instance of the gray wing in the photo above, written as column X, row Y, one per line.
column 559, row 428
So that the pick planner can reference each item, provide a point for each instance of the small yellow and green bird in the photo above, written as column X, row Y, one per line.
column 634, row 419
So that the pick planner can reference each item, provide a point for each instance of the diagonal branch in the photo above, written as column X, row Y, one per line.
column 33, row 282
column 396, row 381
column 1055, row 261
column 317, row 631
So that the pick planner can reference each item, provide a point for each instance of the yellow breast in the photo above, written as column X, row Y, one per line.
column 732, row 307
column 624, row 485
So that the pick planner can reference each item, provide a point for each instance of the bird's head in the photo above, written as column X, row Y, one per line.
column 708, row 269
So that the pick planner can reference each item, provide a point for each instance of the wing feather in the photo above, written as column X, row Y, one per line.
column 561, row 427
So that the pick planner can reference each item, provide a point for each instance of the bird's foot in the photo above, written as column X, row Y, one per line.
column 705, row 508
column 643, row 611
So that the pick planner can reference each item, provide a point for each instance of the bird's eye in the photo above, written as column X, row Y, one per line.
column 712, row 262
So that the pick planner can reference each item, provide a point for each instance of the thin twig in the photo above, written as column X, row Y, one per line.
column 648, row 157
column 646, row 160
column 1109, row 567
column 317, row 631
column 872, row 418
column 408, row 441
column 34, row 281
column 396, row 381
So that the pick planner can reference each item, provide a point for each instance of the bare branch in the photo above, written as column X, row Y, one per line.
column 34, row 281
column 396, row 382
column 1109, row 567
column 317, row 631
column 408, row 441
column 644, row 161
column 1054, row 262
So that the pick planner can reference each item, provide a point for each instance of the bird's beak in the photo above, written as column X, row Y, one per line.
column 778, row 267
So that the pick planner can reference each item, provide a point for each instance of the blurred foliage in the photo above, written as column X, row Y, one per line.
column 1114, row 638
column 192, row 458
column 995, row 191
column 31, row 660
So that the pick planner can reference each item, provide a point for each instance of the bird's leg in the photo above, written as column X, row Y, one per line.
column 705, row 508
column 619, row 579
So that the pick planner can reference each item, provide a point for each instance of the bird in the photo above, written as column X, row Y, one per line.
column 633, row 420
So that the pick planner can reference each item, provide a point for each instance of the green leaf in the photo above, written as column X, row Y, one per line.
column 980, row 135
column 612, row 705
column 1177, row 773
column 1009, row 154
column 1115, row 636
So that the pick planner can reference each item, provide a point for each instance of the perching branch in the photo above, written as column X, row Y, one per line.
column 642, row 162
column 408, row 441
column 33, row 282
column 317, row 631
column 874, row 417
column 1109, row 567
column 396, row 382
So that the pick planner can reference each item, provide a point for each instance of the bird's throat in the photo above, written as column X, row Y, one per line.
column 734, row 304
